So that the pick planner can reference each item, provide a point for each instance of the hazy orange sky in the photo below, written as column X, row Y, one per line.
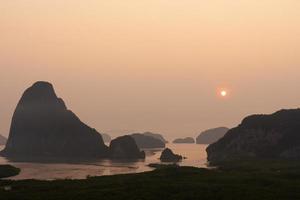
column 153, row 65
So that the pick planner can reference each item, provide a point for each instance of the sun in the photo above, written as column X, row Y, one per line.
column 223, row 93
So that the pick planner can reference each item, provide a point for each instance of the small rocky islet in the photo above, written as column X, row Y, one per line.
column 167, row 155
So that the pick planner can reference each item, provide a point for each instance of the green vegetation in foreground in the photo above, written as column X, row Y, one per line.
column 8, row 171
column 259, row 180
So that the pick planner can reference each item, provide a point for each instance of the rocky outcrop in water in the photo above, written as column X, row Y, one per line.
column 168, row 156
column 42, row 126
column 145, row 142
column 212, row 135
column 187, row 140
column 124, row 147
column 275, row 136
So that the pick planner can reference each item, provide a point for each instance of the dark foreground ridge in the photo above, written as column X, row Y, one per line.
column 248, row 181
column 275, row 136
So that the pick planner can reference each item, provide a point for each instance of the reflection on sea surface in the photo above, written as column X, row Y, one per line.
column 196, row 156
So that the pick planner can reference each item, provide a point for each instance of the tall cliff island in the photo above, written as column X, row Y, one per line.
column 42, row 126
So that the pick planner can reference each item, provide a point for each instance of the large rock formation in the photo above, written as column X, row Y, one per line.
column 261, row 136
column 168, row 156
column 124, row 147
column 145, row 142
column 211, row 136
column 3, row 140
column 42, row 126
column 156, row 135
column 187, row 140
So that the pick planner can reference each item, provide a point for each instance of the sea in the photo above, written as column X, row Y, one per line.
column 195, row 156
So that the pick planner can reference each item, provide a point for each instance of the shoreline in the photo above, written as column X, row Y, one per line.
column 241, row 180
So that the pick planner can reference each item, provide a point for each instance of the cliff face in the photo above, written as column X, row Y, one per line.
column 261, row 136
column 212, row 135
column 43, row 126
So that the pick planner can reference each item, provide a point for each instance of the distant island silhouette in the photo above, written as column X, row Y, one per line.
column 147, row 141
column 211, row 135
column 187, row 140
column 156, row 135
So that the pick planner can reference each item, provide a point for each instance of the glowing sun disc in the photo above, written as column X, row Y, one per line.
column 223, row 93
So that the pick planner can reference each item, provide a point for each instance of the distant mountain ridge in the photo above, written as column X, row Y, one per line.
column 211, row 135
column 156, row 135
column 261, row 136
column 145, row 142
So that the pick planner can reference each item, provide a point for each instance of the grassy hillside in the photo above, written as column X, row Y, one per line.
column 246, row 180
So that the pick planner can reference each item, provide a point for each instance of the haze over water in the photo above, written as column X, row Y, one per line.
column 195, row 156
column 157, row 65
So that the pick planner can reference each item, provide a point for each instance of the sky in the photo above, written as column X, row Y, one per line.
column 159, row 65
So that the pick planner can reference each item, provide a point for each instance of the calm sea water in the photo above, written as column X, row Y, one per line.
column 196, row 156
